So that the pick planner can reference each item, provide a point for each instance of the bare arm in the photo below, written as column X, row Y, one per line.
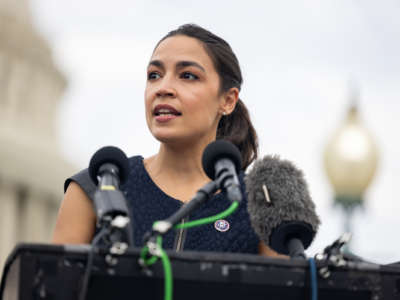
column 76, row 218
column 267, row 251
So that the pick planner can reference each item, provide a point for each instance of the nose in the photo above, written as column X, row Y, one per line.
column 165, row 93
column 166, row 88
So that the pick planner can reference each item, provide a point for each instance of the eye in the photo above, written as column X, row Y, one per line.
column 153, row 75
column 189, row 76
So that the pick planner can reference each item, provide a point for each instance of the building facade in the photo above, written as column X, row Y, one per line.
column 32, row 168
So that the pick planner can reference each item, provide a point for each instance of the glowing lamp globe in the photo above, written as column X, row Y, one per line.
column 351, row 159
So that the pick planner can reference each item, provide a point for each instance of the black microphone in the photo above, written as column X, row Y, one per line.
column 110, row 165
column 222, row 162
column 108, row 168
column 280, row 207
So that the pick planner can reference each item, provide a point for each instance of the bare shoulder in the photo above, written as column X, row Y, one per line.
column 76, row 218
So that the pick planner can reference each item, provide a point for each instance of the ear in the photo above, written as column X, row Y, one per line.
column 229, row 100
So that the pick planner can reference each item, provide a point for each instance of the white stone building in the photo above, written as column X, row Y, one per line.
column 32, row 169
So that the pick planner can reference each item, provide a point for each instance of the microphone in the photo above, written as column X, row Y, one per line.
column 280, row 207
column 202, row 195
column 110, row 165
column 108, row 168
column 222, row 162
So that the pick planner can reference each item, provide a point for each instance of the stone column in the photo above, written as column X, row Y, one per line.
column 9, row 220
column 36, row 225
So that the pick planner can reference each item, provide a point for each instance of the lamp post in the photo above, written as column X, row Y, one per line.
column 351, row 159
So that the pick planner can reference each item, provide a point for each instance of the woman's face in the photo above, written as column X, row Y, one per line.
column 182, row 98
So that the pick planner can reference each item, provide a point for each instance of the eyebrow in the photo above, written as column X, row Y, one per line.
column 184, row 63
column 179, row 65
column 156, row 63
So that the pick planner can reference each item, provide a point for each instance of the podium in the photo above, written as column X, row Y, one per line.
column 55, row 272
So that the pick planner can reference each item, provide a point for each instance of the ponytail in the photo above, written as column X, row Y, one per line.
column 238, row 129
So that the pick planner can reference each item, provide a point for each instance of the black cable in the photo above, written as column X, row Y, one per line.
column 89, row 264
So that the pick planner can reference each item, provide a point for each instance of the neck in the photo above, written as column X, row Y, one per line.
column 183, row 161
column 177, row 168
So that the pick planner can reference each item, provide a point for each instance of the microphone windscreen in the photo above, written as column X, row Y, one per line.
column 112, row 155
column 217, row 150
column 289, row 198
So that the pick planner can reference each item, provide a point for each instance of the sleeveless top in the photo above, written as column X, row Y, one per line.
column 148, row 203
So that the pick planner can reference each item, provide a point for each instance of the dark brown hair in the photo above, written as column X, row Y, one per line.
column 235, row 127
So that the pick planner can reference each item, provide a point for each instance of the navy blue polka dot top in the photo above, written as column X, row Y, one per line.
column 148, row 203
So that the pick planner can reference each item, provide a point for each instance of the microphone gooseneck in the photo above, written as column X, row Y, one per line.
column 221, row 161
column 280, row 207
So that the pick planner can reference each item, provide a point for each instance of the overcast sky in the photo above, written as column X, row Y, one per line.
column 297, row 58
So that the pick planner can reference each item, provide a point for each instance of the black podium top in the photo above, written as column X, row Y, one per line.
column 39, row 271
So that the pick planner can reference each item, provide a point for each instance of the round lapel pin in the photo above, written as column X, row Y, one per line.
column 221, row 225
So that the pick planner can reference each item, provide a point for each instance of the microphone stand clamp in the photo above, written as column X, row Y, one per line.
column 333, row 254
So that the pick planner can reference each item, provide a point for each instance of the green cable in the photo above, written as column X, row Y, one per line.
column 211, row 219
column 166, row 266
column 164, row 257
column 167, row 274
column 152, row 260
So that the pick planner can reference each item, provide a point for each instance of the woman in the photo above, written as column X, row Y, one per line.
column 191, row 99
